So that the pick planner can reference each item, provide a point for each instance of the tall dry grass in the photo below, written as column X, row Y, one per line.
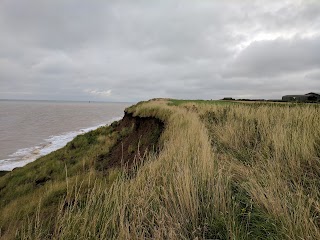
column 274, row 152
column 224, row 172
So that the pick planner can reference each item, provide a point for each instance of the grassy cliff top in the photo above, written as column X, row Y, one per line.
column 176, row 169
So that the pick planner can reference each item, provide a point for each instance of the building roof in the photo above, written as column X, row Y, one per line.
column 312, row 93
column 302, row 95
column 295, row 95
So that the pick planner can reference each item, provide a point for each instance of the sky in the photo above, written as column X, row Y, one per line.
column 126, row 50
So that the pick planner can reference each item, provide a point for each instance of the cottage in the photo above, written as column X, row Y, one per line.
column 309, row 97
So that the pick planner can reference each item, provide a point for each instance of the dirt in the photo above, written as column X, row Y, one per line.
column 138, row 136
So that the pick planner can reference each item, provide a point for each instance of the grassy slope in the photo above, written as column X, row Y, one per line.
column 45, row 179
column 226, row 171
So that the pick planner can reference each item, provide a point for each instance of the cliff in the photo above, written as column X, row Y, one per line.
column 173, row 169
column 101, row 154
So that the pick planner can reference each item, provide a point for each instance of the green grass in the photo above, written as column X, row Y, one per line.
column 46, row 177
column 178, row 102
column 2, row 173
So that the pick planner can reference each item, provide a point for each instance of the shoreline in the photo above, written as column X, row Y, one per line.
column 23, row 156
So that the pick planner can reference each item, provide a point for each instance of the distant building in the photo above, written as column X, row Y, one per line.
column 309, row 97
column 228, row 98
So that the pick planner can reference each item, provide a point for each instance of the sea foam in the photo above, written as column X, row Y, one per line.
column 26, row 155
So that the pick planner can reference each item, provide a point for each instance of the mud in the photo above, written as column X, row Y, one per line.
column 138, row 136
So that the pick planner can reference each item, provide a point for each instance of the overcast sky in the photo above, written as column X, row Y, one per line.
column 131, row 50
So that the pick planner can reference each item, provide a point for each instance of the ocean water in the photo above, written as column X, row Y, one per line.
column 30, row 129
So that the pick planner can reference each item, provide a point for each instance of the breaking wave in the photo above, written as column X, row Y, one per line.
column 26, row 155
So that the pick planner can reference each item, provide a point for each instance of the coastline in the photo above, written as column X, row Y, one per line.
column 23, row 156
column 160, row 159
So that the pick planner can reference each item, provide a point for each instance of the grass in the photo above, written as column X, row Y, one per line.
column 178, row 102
column 2, row 173
column 225, row 171
column 45, row 179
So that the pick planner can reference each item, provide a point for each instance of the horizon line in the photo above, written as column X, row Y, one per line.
column 56, row 100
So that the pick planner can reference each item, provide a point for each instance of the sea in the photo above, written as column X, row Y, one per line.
column 31, row 129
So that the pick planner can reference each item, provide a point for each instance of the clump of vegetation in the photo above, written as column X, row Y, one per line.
column 2, row 173
column 225, row 171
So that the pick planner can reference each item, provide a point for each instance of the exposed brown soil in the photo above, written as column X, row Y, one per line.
column 137, row 137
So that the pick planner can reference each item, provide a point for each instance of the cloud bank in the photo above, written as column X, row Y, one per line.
column 131, row 51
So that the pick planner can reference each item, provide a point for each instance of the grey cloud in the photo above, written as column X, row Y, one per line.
column 55, row 63
column 303, row 14
column 273, row 57
column 313, row 75
column 55, row 24
column 129, row 51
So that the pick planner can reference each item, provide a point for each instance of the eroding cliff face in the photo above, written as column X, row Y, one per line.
column 138, row 136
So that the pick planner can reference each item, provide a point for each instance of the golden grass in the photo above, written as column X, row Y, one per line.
column 240, row 171
column 274, row 154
